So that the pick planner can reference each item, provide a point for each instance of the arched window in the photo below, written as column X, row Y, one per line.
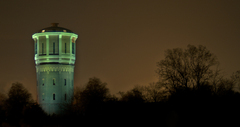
column 43, row 96
column 54, row 96
column 43, row 82
column 54, row 81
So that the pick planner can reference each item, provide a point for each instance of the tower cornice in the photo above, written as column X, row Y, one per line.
column 54, row 33
column 54, row 68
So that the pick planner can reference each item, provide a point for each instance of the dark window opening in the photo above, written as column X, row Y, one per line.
column 42, row 49
column 72, row 48
column 65, row 47
column 53, row 81
column 53, row 47
column 54, row 96
column 36, row 48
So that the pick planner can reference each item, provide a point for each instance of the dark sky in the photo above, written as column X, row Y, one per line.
column 119, row 41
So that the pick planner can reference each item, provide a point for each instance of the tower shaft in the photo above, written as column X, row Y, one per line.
column 54, row 58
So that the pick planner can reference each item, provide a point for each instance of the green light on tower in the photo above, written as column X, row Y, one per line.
column 55, row 51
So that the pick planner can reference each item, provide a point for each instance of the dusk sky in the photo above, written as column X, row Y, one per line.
column 119, row 41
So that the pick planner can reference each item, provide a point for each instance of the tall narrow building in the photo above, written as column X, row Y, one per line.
column 55, row 51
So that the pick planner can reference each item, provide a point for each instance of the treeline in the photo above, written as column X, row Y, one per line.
column 190, row 92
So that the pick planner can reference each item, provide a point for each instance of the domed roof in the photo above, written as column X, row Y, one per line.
column 54, row 28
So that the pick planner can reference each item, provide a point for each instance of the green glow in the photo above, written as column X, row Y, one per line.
column 54, row 33
column 65, row 52
column 55, row 78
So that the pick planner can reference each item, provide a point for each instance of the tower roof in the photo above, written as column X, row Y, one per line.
column 54, row 28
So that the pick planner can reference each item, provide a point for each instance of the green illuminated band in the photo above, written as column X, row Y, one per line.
column 55, row 47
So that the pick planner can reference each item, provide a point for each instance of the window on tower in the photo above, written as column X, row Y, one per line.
column 42, row 45
column 35, row 45
column 66, row 44
column 43, row 48
column 53, row 44
column 43, row 81
column 54, row 96
column 53, row 48
column 73, row 44
column 65, row 47
column 43, row 96
column 54, row 81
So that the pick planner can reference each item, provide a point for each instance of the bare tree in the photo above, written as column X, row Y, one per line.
column 155, row 92
column 134, row 95
column 216, row 79
column 187, row 68
column 235, row 78
column 223, row 85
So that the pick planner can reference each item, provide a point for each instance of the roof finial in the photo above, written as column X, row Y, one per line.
column 54, row 24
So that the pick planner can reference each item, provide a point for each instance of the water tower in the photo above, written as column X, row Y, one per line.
column 55, row 51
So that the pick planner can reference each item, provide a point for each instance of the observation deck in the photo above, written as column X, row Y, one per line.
column 55, row 45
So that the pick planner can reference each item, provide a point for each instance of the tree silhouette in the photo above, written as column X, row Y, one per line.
column 187, row 68
column 2, row 107
column 133, row 96
column 92, row 96
column 235, row 77
column 155, row 92
column 225, row 87
column 33, row 113
column 18, row 99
